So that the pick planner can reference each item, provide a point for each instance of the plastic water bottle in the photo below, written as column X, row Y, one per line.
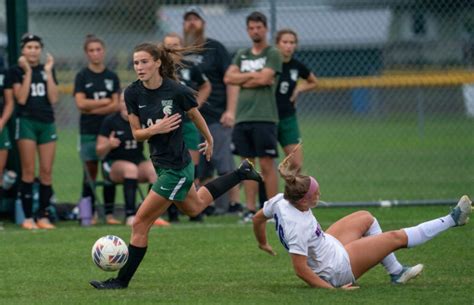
column 85, row 211
column 9, row 178
column 19, row 214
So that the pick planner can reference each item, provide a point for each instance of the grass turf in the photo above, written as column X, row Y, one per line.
column 218, row 263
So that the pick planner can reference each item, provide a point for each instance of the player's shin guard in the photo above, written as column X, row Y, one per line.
column 129, row 193
column 26, row 195
column 45, row 194
column 135, row 257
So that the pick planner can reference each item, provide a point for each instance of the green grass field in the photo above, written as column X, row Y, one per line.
column 218, row 263
column 354, row 158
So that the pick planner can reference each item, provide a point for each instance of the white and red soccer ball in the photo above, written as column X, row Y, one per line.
column 110, row 253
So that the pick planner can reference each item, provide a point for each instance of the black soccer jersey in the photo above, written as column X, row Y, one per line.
column 5, row 83
column 37, row 105
column 213, row 62
column 291, row 71
column 129, row 149
column 191, row 76
column 95, row 86
column 166, row 150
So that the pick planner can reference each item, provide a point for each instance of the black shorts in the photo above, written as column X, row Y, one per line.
column 255, row 139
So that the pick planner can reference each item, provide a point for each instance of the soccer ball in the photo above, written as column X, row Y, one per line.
column 110, row 253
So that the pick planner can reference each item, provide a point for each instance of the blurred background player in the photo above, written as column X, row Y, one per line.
column 189, row 75
column 96, row 92
column 6, row 110
column 123, row 160
column 219, row 109
column 35, row 90
column 289, row 87
column 255, row 70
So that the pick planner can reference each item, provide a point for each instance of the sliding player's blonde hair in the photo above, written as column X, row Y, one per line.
column 296, row 185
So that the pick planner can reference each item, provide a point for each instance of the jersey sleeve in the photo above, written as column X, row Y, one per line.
column 197, row 76
column 116, row 83
column 187, row 98
column 16, row 75
column 79, row 83
column 106, row 126
column 223, row 57
column 7, row 81
column 274, row 60
column 131, row 101
column 304, row 71
column 268, row 208
column 236, row 59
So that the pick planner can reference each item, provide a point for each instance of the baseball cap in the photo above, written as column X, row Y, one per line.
column 30, row 37
column 196, row 10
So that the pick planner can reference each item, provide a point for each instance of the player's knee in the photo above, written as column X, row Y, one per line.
column 131, row 171
column 398, row 236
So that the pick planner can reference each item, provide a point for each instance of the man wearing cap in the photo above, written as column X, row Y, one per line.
column 219, row 109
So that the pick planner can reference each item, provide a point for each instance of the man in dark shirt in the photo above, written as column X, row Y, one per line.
column 219, row 109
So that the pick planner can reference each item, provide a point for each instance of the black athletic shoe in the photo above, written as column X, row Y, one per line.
column 198, row 218
column 235, row 207
column 247, row 171
column 111, row 283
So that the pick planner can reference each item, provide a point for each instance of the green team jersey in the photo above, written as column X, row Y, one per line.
column 258, row 104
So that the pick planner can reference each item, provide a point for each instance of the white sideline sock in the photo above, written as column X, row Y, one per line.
column 390, row 262
column 427, row 230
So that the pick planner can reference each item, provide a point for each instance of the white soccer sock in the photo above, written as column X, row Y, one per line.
column 390, row 262
column 427, row 230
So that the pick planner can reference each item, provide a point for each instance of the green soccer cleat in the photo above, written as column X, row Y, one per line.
column 407, row 274
column 460, row 213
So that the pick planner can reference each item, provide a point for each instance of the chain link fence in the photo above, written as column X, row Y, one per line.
column 393, row 117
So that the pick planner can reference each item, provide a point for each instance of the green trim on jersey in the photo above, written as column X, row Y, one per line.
column 174, row 184
column 258, row 104
column 38, row 131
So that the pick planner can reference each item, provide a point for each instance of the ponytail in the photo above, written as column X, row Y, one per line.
column 296, row 185
column 170, row 58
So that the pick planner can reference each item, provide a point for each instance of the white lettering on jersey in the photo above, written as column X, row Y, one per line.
column 2, row 78
column 88, row 85
column 252, row 65
column 294, row 74
column 109, row 84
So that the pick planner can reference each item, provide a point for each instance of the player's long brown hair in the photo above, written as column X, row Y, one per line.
column 170, row 58
column 296, row 185
column 282, row 32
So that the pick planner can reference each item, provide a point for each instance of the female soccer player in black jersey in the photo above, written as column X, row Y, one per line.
column 123, row 160
column 35, row 90
column 156, row 102
column 287, row 92
column 96, row 92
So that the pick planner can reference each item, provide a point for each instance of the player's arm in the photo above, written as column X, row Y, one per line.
column 52, row 87
column 203, row 93
column 304, row 272
column 264, row 77
column 112, row 106
column 165, row 125
column 21, row 90
column 305, row 85
column 85, row 105
column 8, row 108
column 233, row 76
column 259, row 229
column 208, row 145
column 228, row 117
column 106, row 144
